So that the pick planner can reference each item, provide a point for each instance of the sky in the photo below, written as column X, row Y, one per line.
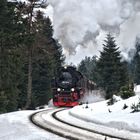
column 81, row 26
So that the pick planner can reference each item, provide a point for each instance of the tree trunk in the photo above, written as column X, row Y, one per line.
column 29, row 87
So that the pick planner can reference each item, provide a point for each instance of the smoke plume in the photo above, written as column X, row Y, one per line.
column 83, row 22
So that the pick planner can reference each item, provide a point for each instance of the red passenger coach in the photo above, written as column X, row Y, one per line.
column 68, row 87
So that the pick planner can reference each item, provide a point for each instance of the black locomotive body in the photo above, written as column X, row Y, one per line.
column 69, row 87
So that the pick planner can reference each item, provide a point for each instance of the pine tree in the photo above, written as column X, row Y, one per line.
column 41, row 61
column 87, row 67
column 10, row 64
column 3, row 12
column 47, row 57
column 136, row 63
column 29, row 36
column 110, row 68
column 82, row 67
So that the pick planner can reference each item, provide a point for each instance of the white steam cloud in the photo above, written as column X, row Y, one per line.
column 82, row 22
column 93, row 96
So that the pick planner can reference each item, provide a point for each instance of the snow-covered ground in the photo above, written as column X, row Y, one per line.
column 16, row 125
column 112, row 116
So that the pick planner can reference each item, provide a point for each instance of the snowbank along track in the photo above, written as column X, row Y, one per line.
column 49, row 121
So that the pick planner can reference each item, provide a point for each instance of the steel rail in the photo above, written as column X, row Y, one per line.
column 48, row 127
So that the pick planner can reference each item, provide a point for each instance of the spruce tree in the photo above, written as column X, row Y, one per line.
column 110, row 68
column 3, row 12
column 88, row 67
column 136, row 62
column 41, row 61
column 28, row 9
column 82, row 68
column 10, row 64
column 47, row 57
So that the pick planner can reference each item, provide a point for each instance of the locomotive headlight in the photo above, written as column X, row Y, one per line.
column 72, row 89
column 58, row 89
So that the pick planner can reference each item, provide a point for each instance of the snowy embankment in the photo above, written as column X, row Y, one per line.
column 114, row 115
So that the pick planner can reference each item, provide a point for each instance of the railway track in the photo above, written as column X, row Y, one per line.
column 49, row 121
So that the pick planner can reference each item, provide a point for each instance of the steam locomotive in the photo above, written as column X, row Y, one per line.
column 69, row 86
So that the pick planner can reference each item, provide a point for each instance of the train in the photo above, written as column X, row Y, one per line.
column 69, row 86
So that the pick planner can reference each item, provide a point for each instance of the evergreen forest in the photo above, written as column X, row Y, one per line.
column 29, row 55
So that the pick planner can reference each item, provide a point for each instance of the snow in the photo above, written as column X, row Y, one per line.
column 113, row 116
column 110, row 119
column 137, row 89
column 17, row 126
column 98, row 115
